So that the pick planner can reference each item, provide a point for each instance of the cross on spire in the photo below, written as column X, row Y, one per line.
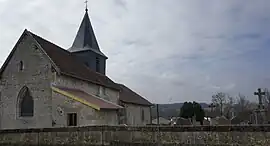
column 259, row 94
column 86, row 1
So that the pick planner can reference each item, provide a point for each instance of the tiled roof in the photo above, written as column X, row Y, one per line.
column 129, row 96
column 86, row 98
column 70, row 66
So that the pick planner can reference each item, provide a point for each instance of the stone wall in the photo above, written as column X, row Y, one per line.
column 110, row 94
column 37, row 75
column 134, row 114
column 131, row 136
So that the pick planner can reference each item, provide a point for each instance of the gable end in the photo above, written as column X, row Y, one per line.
column 24, row 34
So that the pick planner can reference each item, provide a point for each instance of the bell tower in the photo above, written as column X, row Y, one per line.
column 86, row 48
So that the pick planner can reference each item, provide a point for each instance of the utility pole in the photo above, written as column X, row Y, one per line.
column 157, row 115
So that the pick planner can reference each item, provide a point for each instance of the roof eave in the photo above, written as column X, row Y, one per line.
column 85, row 50
column 135, row 103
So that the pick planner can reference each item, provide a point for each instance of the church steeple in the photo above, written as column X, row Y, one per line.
column 85, row 38
column 86, row 48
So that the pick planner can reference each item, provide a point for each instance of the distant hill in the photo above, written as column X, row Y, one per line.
column 170, row 110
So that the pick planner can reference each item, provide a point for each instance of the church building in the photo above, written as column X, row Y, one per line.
column 43, row 86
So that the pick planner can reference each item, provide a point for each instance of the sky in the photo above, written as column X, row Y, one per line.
column 168, row 51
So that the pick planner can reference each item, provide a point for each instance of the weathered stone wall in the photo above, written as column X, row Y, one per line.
column 150, row 136
column 37, row 75
column 62, row 105
column 110, row 94
column 134, row 114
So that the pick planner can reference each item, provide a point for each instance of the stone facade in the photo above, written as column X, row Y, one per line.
column 61, row 105
column 36, row 75
column 93, row 89
column 137, row 114
column 133, row 112
column 143, row 136
column 36, row 69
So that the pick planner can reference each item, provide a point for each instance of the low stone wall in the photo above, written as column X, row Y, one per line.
column 144, row 136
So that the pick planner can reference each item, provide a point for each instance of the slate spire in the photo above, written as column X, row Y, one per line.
column 85, row 38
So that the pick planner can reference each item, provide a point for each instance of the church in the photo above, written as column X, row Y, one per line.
column 46, row 86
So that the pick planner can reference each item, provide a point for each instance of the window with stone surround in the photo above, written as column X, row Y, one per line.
column 26, row 103
column 72, row 119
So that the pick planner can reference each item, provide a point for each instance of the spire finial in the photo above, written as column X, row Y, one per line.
column 86, row 9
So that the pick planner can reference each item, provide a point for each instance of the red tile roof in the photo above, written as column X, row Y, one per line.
column 95, row 101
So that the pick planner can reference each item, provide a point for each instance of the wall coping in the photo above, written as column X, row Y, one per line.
column 249, row 128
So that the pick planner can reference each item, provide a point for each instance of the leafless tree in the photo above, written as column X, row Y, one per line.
column 242, row 104
column 219, row 100
column 267, row 97
column 266, row 100
column 229, row 105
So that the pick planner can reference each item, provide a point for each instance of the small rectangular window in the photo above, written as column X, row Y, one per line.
column 72, row 119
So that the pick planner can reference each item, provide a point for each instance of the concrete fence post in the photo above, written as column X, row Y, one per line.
column 38, row 138
column 102, row 138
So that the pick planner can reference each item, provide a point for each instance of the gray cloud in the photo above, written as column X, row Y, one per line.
column 165, row 50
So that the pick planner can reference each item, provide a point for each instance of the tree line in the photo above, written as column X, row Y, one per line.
column 223, row 105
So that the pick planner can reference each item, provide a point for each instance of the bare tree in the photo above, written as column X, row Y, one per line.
column 229, row 105
column 219, row 100
column 267, row 97
column 243, row 104
column 230, row 100
column 266, row 100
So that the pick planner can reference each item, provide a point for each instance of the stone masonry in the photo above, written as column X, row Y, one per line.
column 87, row 87
column 86, row 115
column 134, row 114
column 36, row 74
column 143, row 136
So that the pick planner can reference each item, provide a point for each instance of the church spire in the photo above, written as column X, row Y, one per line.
column 85, row 46
column 85, row 38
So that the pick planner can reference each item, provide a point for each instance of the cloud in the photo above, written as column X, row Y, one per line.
column 168, row 51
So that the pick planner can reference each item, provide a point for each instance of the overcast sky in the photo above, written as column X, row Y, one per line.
column 166, row 50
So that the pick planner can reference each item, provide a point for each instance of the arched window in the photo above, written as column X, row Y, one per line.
column 26, row 103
